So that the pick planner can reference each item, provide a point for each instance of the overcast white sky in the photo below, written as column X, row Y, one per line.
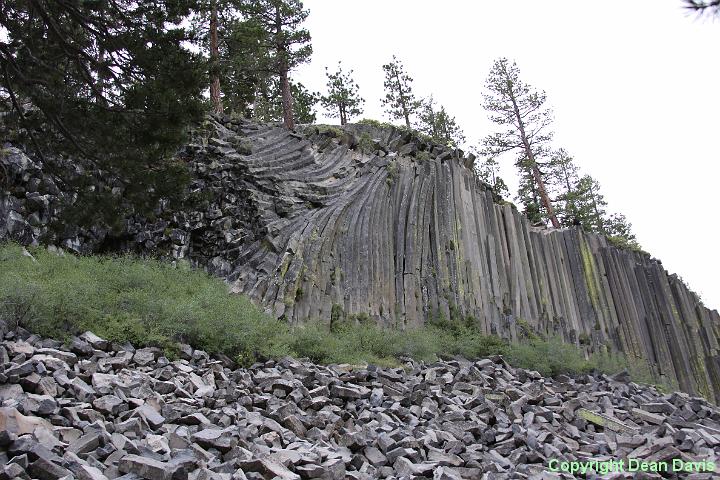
column 633, row 87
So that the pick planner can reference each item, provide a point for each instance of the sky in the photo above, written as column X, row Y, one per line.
column 633, row 87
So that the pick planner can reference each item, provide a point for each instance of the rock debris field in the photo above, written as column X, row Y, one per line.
column 92, row 410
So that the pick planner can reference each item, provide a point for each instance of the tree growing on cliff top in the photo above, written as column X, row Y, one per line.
column 563, row 179
column 211, row 25
column 578, row 201
column 399, row 101
column 267, row 104
column 489, row 172
column 438, row 124
column 619, row 231
column 287, row 41
column 244, row 64
column 342, row 99
column 517, row 107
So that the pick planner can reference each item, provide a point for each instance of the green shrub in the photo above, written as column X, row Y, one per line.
column 549, row 357
column 330, row 130
column 624, row 243
column 373, row 123
column 525, row 330
column 365, row 143
column 423, row 156
column 145, row 302
column 638, row 368
column 392, row 172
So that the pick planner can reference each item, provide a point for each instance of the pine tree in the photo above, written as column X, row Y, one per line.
column 514, row 104
column 288, row 43
column 214, row 59
column 304, row 102
column 245, row 63
column 489, row 172
column 578, row 201
column 342, row 99
column 267, row 106
column 529, row 197
column 438, row 124
column 107, row 83
column 590, row 204
column 399, row 101
column 211, row 28
column 620, row 231
column 593, row 216
column 563, row 179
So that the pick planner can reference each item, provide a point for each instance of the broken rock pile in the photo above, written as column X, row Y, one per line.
column 92, row 410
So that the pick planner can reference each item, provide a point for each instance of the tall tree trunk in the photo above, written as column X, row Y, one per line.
column 598, row 219
column 287, row 103
column 401, row 96
column 286, row 97
column 533, row 165
column 214, row 61
column 569, row 203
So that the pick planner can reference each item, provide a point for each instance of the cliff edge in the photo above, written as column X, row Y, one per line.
column 326, row 222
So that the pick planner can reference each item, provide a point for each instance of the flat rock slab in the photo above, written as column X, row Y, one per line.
column 606, row 421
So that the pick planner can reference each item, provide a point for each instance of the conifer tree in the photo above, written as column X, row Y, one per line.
column 489, row 172
column 620, row 231
column 304, row 102
column 267, row 105
column 234, row 50
column 563, row 180
column 590, row 204
column 438, row 124
column 244, row 65
column 288, row 42
column 214, row 59
column 342, row 99
column 399, row 101
column 515, row 106
column 107, row 83
column 529, row 197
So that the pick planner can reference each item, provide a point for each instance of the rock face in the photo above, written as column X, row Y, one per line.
column 327, row 223
column 295, row 420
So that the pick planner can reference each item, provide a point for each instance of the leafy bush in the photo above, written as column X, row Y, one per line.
column 549, row 357
column 423, row 156
column 146, row 302
column 392, row 172
column 624, row 243
column 330, row 130
column 373, row 123
column 638, row 368
column 365, row 143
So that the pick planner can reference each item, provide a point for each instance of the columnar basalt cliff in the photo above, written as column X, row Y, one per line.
column 325, row 222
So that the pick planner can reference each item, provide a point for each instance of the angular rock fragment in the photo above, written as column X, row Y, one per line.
column 150, row 415
column 295, row 420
